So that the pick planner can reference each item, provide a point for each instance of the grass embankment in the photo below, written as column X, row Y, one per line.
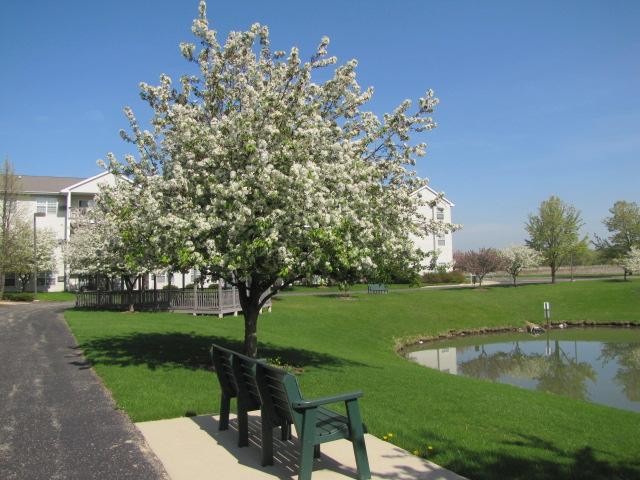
column 157, row 366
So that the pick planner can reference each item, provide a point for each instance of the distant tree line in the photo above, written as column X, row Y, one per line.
column 554, row 241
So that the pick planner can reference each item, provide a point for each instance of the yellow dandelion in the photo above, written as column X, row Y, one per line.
column 416, row 452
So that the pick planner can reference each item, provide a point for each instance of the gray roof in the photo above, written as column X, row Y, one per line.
column 42, row 184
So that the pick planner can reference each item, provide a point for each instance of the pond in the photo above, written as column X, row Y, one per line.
column 600, row 365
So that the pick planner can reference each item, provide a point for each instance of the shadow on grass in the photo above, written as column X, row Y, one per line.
column 553, row 462
column 190, row 351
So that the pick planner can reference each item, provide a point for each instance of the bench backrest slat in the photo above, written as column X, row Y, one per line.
column 278, row 389
column 222, row 362
column 244, row 369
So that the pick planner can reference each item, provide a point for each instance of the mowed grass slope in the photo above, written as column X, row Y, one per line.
column 157, row 366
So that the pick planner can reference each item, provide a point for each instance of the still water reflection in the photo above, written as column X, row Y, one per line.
column 598, row 365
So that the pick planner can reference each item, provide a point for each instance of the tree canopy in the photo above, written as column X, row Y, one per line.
column 478, row 262
column 554, row 232
column 624, row 228
column 518, row 257
column 261, row 174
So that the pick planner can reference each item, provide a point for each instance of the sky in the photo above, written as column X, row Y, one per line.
column 537, row 98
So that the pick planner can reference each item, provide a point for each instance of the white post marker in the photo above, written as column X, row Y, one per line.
column 547, row 311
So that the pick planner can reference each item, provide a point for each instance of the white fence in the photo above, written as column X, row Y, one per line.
column 207, row 301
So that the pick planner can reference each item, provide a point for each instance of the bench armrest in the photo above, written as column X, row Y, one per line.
column 344, row 397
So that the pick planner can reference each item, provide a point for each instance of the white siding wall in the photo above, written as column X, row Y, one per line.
column 432, row 242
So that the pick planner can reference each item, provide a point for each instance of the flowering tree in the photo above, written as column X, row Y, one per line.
column 261, row 175
column 518, row 257
column 624, row 226
column 22, row 261
column 479, row 263
column 111, row 239
column 631, row 262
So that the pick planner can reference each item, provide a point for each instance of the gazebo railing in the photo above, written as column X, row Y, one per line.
column 204, row 301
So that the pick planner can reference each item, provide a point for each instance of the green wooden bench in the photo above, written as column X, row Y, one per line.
column 244, row 371
column 377, row 288
column 231, row 388
column 282, row 403
column 237, row 377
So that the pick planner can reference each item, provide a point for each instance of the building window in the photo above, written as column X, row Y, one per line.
column 47, row 206
column 10, row 280
column 440, row 213
column 441, row 241
column 85, row 203
column 46, row 279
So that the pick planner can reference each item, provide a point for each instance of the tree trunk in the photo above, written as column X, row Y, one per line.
column 130, row 284
column 553, row 273
column 251, row 332
column 515, row 278
column 249, row 301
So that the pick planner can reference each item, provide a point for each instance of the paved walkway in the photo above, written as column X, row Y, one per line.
column 56, row 419
column 194, row 449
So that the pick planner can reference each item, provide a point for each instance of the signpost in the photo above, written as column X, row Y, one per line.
column 547, row 312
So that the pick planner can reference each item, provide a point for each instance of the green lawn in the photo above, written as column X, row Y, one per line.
column 157, row 366
column 358, row 287
column 56, row 296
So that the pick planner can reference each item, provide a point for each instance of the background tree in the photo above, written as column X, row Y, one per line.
column 9, row 189
column 624, row 227
column 112, row 238
column 478, row 263
column 554, row 232
column 22, row 261
column 518, row 257
column 262, row 174
column 630, row 262
column 577, row 252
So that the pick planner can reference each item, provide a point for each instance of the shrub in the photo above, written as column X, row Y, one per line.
column 170, row 287
column 19, row 297
column 454, row 276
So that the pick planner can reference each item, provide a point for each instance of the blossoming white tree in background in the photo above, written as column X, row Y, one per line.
column 111, row 239
column 631, row 262
column 261, row 175
column 518, row 257
column 22, row 260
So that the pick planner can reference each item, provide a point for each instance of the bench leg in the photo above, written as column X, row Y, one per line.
column 316, row 451
column 285, row 431
column 357, row 439
column 225, row 405
column 307, row 446
column 243, row 426
column 267, row 441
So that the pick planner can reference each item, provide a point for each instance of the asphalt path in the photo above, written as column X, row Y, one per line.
column 488, row 282
column 57, row 421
